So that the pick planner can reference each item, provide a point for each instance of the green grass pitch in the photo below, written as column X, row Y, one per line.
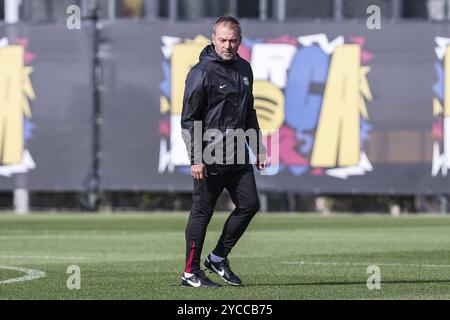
column 281, row 256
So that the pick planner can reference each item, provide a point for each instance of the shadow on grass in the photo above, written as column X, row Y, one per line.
column 326, row 283
column 345, row 283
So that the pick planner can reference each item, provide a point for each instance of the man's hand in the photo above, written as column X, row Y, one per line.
column 198, row 171
column 261, row 162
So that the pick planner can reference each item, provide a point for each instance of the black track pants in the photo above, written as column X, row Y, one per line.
column 240, row 183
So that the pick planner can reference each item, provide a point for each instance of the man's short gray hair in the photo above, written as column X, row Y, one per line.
column 227, row 20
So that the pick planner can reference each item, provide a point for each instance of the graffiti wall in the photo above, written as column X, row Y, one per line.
column 348, row 107
column 310, row 93
column 348, row 110
column 45, row 107
column 16, row 90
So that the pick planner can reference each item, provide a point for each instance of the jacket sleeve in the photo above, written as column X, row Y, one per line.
column 194, row 102
column 252, row 123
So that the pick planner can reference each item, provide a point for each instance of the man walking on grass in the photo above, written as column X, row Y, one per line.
column 218, row 101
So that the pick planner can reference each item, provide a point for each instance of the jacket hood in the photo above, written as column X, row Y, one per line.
column 209, row 53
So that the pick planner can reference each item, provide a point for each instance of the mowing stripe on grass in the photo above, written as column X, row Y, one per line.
column 366, row 264
column 31, row 274
column 43, row 257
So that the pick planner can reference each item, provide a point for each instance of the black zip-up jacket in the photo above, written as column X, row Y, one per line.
column 219, row 94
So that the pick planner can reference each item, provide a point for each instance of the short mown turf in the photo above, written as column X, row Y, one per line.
column 281, row 256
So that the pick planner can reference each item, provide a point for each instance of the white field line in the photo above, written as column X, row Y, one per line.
column 43, row 257
column 30, row 274
column 366, row 264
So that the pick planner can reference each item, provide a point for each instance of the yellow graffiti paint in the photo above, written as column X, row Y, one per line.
column 199, row 39
column 365, row 92
column 164, row 105
column 15, row 90
column 337, row 140
column 269, row 106
column 437, row 107
column 364, row 84
column 184, row 57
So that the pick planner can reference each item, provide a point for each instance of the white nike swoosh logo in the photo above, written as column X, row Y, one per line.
column 223, row 86
column 220, row 273
column 194, row 284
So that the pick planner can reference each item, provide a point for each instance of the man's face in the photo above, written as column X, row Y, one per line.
column 226, row 41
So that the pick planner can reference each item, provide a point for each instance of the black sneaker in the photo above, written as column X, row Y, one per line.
column 198, row 279
column 223, row 270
